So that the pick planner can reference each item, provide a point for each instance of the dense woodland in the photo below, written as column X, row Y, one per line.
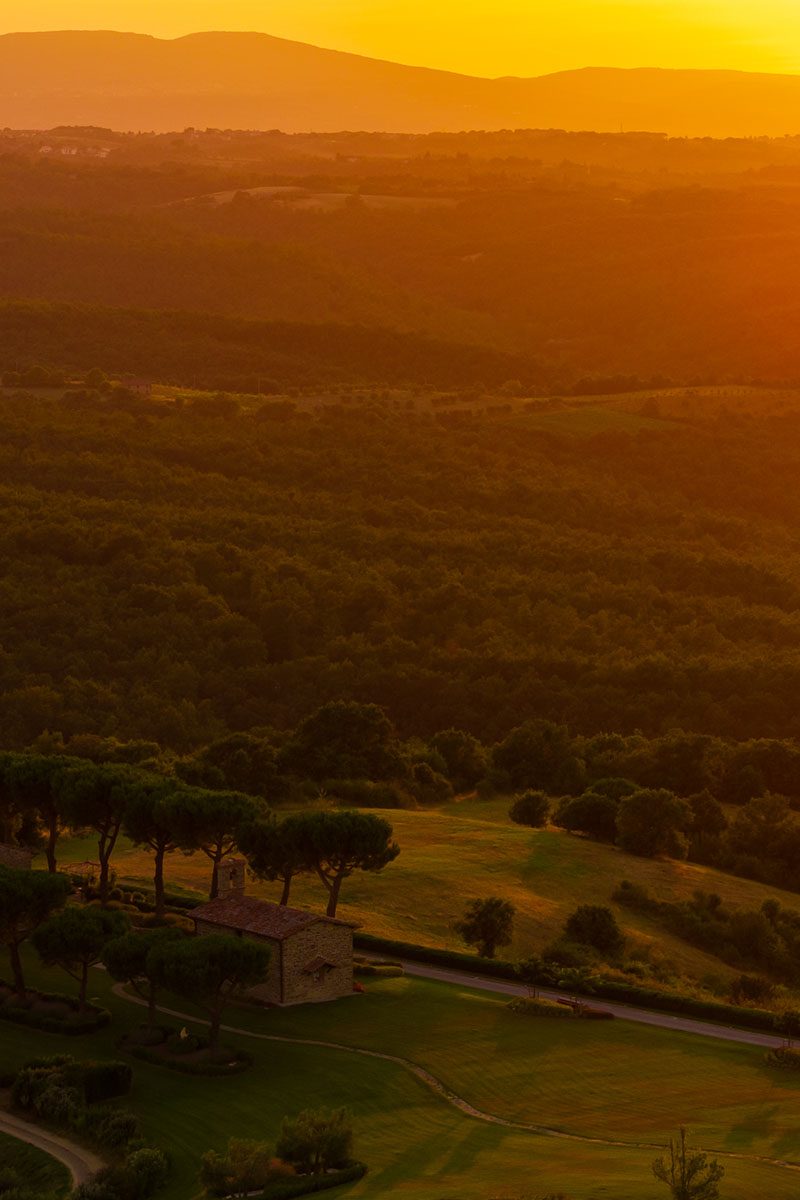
column 179, row 572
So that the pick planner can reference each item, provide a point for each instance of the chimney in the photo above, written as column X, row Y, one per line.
column 230, row 877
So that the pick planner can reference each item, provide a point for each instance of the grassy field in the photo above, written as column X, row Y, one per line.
column 470, row 849
column 37, row 1169
column 615, row 1082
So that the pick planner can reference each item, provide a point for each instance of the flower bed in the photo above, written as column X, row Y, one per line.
column 190, row 1054
column 304, row 1185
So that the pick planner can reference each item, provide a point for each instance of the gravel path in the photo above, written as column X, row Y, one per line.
column 625, row 1012
column 81, row 1163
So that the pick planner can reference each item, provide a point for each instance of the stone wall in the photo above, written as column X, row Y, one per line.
column 15, row 856
column 288, row 981
column 320, row 940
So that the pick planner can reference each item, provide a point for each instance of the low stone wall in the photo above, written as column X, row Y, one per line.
column 15, row 856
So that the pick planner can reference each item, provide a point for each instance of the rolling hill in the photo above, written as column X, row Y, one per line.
column 252, row 80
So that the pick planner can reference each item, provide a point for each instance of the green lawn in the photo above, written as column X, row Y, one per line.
column 470, row 849
column 37, row 1170
column 615, row 1081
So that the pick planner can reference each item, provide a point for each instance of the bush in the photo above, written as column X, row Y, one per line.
column 304, row 1185
column 752, row 989
column 103, row 1080
column 316, row 1140
column 596, row 926
column 245, row 1167
column 143, row 1173
column 531, row 809
column 73, row 1022
column 590, row 813
column 55, row 1089
column 179, row 1045
column 112, row 1127
column 784, row 1057
column 364, row 793
column 224, row 1063
column 385, row 970
column 528, row 1007
column 564, row 953
column 58, row 1104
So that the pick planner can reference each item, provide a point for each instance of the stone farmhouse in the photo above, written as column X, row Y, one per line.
column 311, row 956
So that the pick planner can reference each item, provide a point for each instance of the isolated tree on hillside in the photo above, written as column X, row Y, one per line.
column 590, row 813
column 689, row 1174
column 343, row 841
column 74, row 940
column 531, row 809
column 487, row 924
column 211, row 971
column 27, row 898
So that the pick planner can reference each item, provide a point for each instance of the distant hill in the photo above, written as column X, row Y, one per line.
column 254, row 81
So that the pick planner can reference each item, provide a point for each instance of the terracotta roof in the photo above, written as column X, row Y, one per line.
column 251, row 915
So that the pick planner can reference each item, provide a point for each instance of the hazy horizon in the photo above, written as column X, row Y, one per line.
column 509, row 38
column 590, row 65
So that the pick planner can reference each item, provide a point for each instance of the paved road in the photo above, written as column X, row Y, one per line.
column 81, row 1163
column 643, row 1016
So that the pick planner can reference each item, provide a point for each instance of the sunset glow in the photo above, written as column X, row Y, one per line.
column 521, row 37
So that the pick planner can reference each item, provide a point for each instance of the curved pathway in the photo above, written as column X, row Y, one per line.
column 81, row 1163
column 449, row 1096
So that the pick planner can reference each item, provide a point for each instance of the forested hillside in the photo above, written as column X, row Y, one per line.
column 173, row 572
column 639, row 256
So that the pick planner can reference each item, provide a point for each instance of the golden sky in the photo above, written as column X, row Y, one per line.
column 481, row 37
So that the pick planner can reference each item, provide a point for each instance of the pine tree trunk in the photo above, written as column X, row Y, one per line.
column 52, row 838
column 158, row 882
column 287, row 883
column 16, row 968
column 333, row 896
column 84, row 986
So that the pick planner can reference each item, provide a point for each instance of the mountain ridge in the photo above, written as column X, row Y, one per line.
column 258, row 81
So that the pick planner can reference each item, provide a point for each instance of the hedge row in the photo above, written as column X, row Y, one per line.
column 74, row 1023
column 304, row 1185
column 607, row 989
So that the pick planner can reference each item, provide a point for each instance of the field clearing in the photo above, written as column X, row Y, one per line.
column 615, row 1082
column 470, row 849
